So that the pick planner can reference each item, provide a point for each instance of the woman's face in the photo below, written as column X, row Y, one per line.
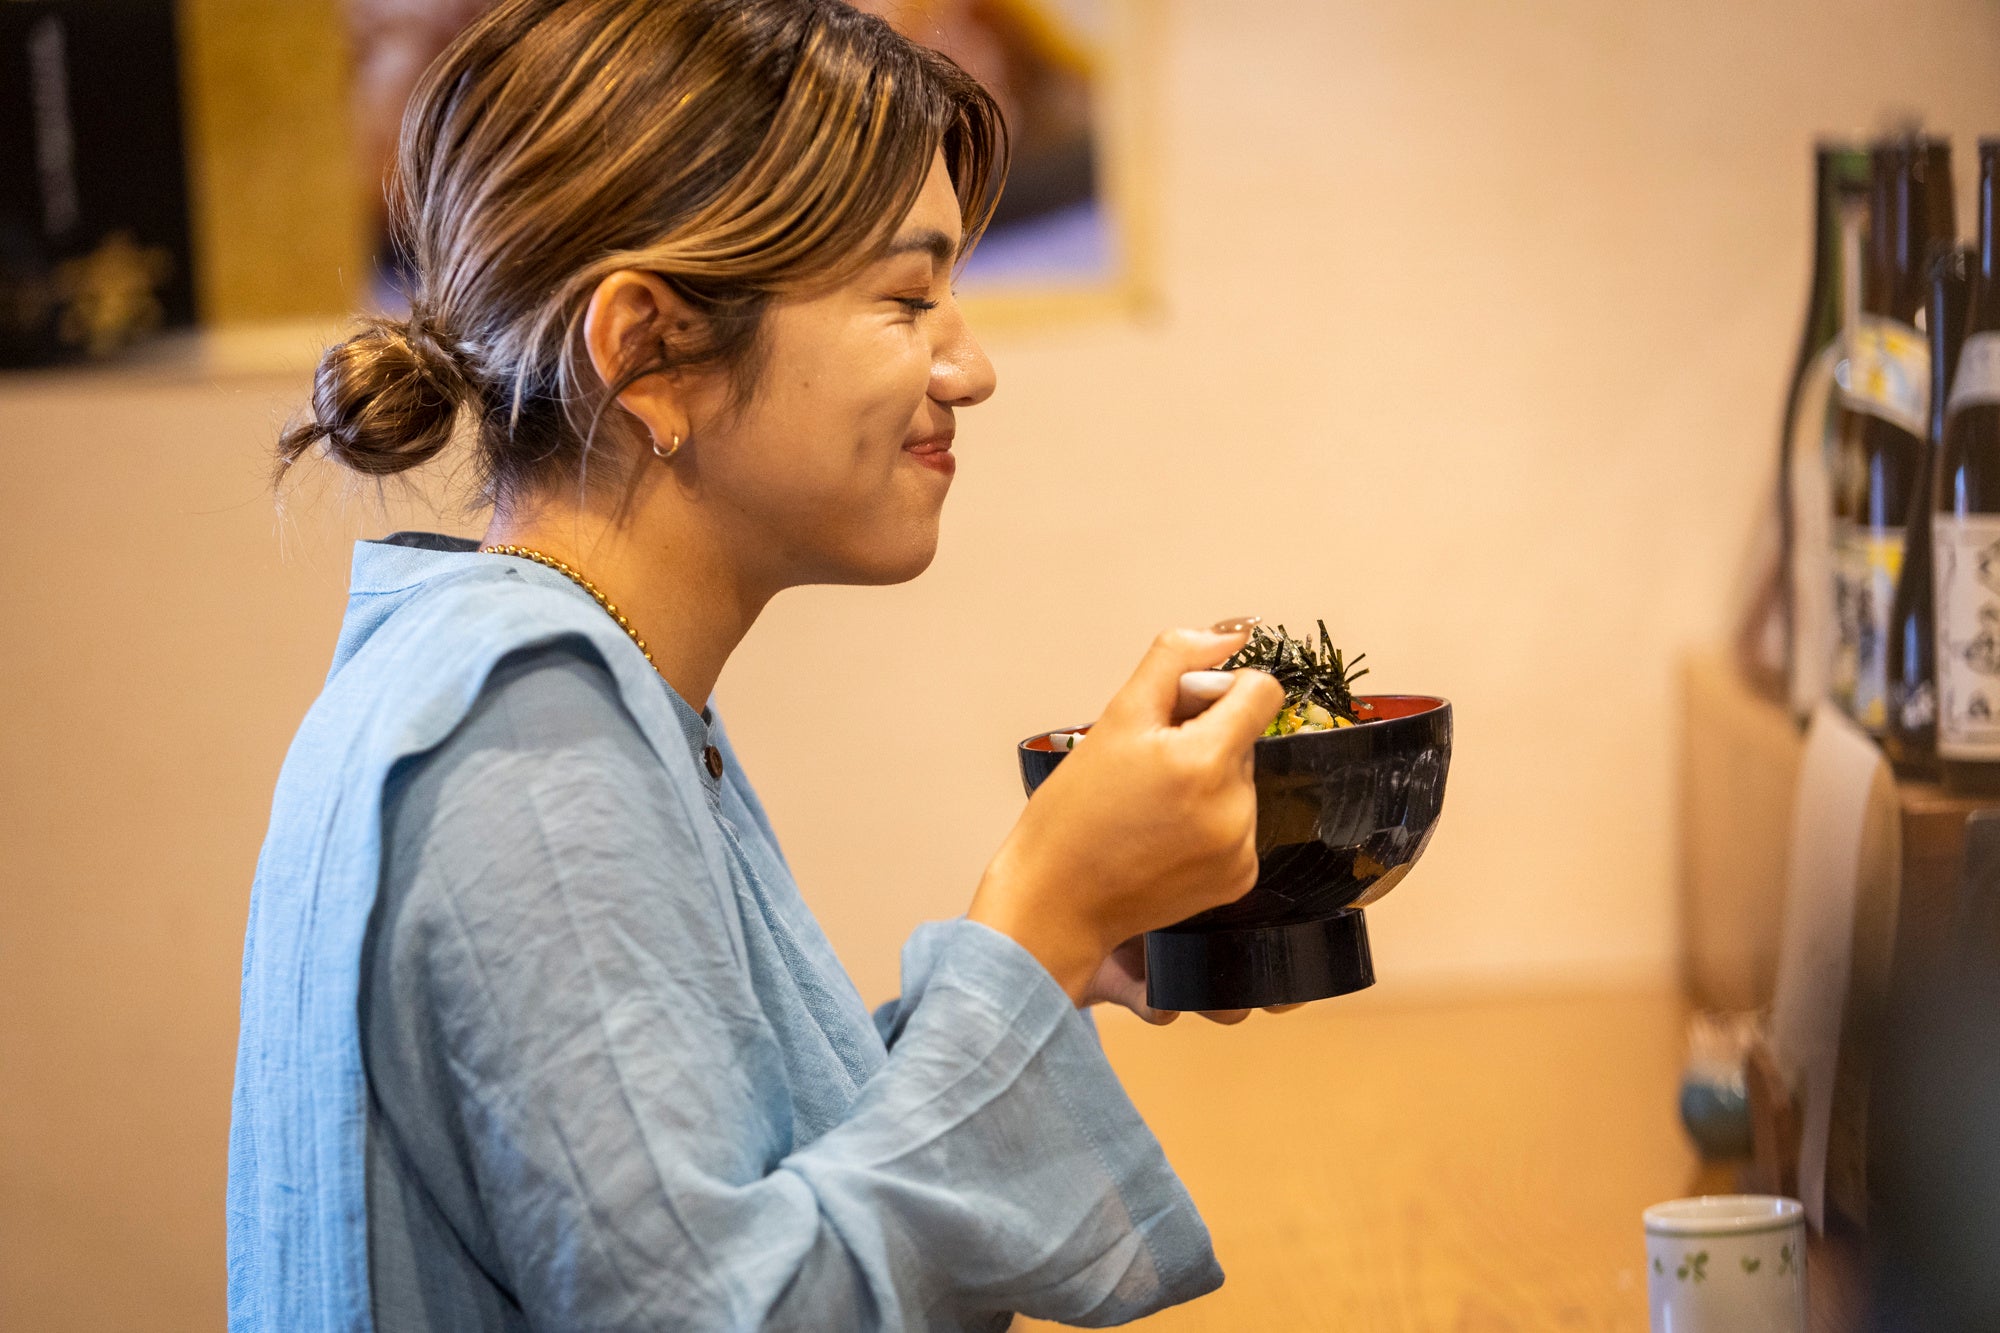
column 836, row 471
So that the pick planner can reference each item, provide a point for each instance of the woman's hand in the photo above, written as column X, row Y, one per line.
column 1146, row 823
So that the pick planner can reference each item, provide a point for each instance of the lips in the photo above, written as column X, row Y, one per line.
column 934, row 452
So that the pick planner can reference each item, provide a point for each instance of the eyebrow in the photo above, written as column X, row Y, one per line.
column 941, row 248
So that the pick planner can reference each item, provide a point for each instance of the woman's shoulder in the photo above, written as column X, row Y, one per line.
column 547, row 762
column 548, row 698
column 470, row 640
column 543, row 821
column 422, row 643
column 548, row 749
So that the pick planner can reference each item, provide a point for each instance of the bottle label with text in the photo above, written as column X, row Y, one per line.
column 1967, row 549
column 1976, row 383
column 1887, row 373
column 1866, row 564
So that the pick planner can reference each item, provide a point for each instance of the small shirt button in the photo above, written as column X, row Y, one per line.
column 713, row 758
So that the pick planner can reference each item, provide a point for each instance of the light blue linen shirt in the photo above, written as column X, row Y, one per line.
column 656, row 1095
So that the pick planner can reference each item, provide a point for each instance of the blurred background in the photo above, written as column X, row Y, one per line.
column 1464, row 327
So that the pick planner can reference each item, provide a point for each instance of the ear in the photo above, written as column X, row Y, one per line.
column 625, row 327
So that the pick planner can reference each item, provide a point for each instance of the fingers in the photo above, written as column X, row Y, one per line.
column 1228, row 1018
column 1147, row 698
column 1199, row 689
column 1241, row 715
column 1130, row 993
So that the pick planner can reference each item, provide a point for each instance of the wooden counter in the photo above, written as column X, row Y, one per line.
column 1388, row 1163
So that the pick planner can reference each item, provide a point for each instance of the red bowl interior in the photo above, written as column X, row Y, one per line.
column 1384, row 707
column 1370, row 707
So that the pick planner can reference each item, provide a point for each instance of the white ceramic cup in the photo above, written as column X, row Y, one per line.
column 1727, row 1263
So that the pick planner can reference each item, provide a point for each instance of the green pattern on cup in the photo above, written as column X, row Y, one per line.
column 1788, row 1259
column 1695, row 1266
column 1658, row 1267
column 1750, row 1264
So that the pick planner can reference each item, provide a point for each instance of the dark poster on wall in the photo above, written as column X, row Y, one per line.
column 94, row 242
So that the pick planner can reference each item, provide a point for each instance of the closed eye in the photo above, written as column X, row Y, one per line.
column 916, row 305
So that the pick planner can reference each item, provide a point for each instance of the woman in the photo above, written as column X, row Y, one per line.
column 536, row 1029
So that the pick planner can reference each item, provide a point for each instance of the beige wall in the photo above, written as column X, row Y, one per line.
column 1474, row 319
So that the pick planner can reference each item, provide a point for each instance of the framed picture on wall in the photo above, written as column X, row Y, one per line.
column 1073, row 232
column 1072, row 235
column 95, row 247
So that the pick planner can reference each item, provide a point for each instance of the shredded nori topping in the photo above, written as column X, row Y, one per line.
column 1311, row 673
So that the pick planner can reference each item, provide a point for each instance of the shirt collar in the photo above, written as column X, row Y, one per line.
column 403, row 559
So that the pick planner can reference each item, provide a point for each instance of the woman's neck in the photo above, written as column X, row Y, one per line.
column 667, row 573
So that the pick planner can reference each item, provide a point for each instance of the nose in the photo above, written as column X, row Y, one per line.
column 961, row 376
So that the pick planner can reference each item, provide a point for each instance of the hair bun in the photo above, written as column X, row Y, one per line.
column 384, row 400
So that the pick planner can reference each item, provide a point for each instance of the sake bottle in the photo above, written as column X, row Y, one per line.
column 1838, row 168
column 1911, row 737
column 1812, row 432
column 1967, row 528
column 1884, row 400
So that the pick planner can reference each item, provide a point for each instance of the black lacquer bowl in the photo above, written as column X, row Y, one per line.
column 1342, row 815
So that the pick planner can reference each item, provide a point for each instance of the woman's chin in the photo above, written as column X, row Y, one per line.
column 899, row 570
column 898, row 563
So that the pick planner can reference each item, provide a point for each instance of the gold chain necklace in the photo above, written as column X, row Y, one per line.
column 549, row 561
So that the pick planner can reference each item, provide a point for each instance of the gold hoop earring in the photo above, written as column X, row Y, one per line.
column 666, row 455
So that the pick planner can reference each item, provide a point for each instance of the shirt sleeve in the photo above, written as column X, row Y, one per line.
column 569, row 1052
column 920, row 957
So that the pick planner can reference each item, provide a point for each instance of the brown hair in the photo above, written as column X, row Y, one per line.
column 741, row 149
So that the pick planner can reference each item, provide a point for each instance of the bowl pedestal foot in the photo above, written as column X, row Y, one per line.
column 1251, row 966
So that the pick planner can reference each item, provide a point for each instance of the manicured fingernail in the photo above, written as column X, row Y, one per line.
column 1237, row 624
